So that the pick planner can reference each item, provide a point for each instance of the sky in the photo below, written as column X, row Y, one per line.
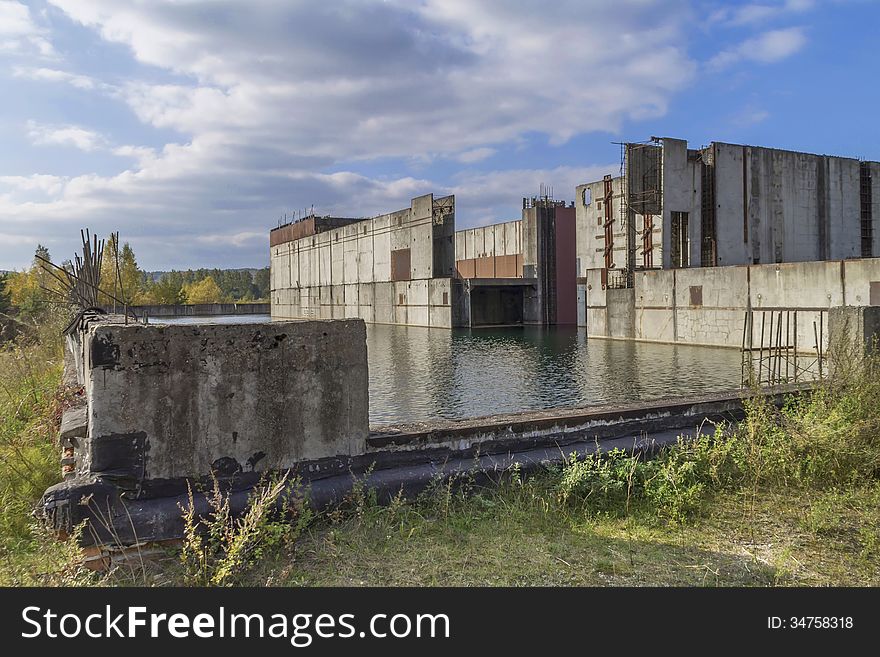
column 193, row 128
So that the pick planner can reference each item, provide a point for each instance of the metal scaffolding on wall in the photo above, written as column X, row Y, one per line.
column 641, row 173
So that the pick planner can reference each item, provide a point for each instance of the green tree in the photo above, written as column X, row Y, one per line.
column 168, row 290
column 261, row 283
column 204, row 291
column 5, row 303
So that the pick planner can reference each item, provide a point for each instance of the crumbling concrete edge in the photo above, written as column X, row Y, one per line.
column 116, row 517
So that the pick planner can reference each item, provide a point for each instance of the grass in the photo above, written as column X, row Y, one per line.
column 789, row 497
column 31, row 404
column 519, row 535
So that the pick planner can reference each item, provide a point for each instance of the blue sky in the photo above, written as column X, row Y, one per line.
column 192, row 127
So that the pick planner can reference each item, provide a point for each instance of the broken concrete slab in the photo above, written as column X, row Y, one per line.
column 74, row 425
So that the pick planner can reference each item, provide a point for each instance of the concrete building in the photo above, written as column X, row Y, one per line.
column 397, row 268
column 710, row 211
column 727, row 204
column 411, row 267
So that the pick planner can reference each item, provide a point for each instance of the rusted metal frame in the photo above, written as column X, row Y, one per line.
column 648, row 241
column 609, row 221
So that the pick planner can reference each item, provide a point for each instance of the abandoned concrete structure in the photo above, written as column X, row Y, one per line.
column 685, row 242
column 167, row 411
column 592, row 263
column 411, row 267
column 727, row 204
column 396, row 268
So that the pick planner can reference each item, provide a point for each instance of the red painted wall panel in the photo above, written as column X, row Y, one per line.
column 566, row 270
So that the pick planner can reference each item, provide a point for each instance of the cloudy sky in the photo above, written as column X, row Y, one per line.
column 193, row 127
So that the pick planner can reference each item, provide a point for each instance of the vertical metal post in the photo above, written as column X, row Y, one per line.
column 761, row 348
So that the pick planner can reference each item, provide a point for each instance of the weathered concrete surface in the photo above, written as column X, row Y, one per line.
column 769, row 206
column 854, row 328
column 396, row 268
column 74, row 424
column 408, row 458
column 706, row 305
column 168, row 402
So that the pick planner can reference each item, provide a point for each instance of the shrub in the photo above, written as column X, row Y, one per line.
column 219, row 549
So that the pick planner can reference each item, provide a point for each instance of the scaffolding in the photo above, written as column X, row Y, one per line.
column 641, row 172
column 708, row 227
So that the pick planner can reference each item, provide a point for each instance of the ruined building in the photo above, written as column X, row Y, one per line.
column 614, row 260
column 726, row 204
column 411, row 267
column 687, row 244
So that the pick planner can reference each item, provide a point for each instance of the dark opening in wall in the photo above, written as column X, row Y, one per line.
column 867, row 219
column 708, row 249
column 680, row 243
column 696, row 295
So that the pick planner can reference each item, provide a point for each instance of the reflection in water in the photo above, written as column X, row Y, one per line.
column 419, row 374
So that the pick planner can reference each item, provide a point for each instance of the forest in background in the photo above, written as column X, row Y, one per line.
column 29, row 290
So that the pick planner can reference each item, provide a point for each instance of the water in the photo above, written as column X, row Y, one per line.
column 420, row 374
column 212, row 319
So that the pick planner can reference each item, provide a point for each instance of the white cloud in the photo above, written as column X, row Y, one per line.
column 54, row 75
column 274, row 104
column 483, row 192
column 18, row 32
column 46, row 184
column 397, row 79
column 749, row 116
column 475, row 155
column 767, row 47
column 236, row 239
column 759, row 13
column 64, row 135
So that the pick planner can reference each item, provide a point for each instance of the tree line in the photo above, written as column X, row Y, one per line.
column 123, row 282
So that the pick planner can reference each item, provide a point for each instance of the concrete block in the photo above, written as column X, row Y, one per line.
column 74, row 425
column 181, row 401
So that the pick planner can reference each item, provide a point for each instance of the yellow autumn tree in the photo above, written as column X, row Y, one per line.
column 31, row 291
column 203, row 291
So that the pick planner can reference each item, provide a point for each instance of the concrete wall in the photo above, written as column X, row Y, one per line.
column 392, row 269
column 549, row 256
column 681, row 193
column 707, row 305
column 590, row 238
column 874, row 168
column 771, row 205
column 201, row 309
column 493, row 251
column 166, row 402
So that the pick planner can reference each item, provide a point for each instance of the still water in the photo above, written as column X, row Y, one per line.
column 419, row 374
